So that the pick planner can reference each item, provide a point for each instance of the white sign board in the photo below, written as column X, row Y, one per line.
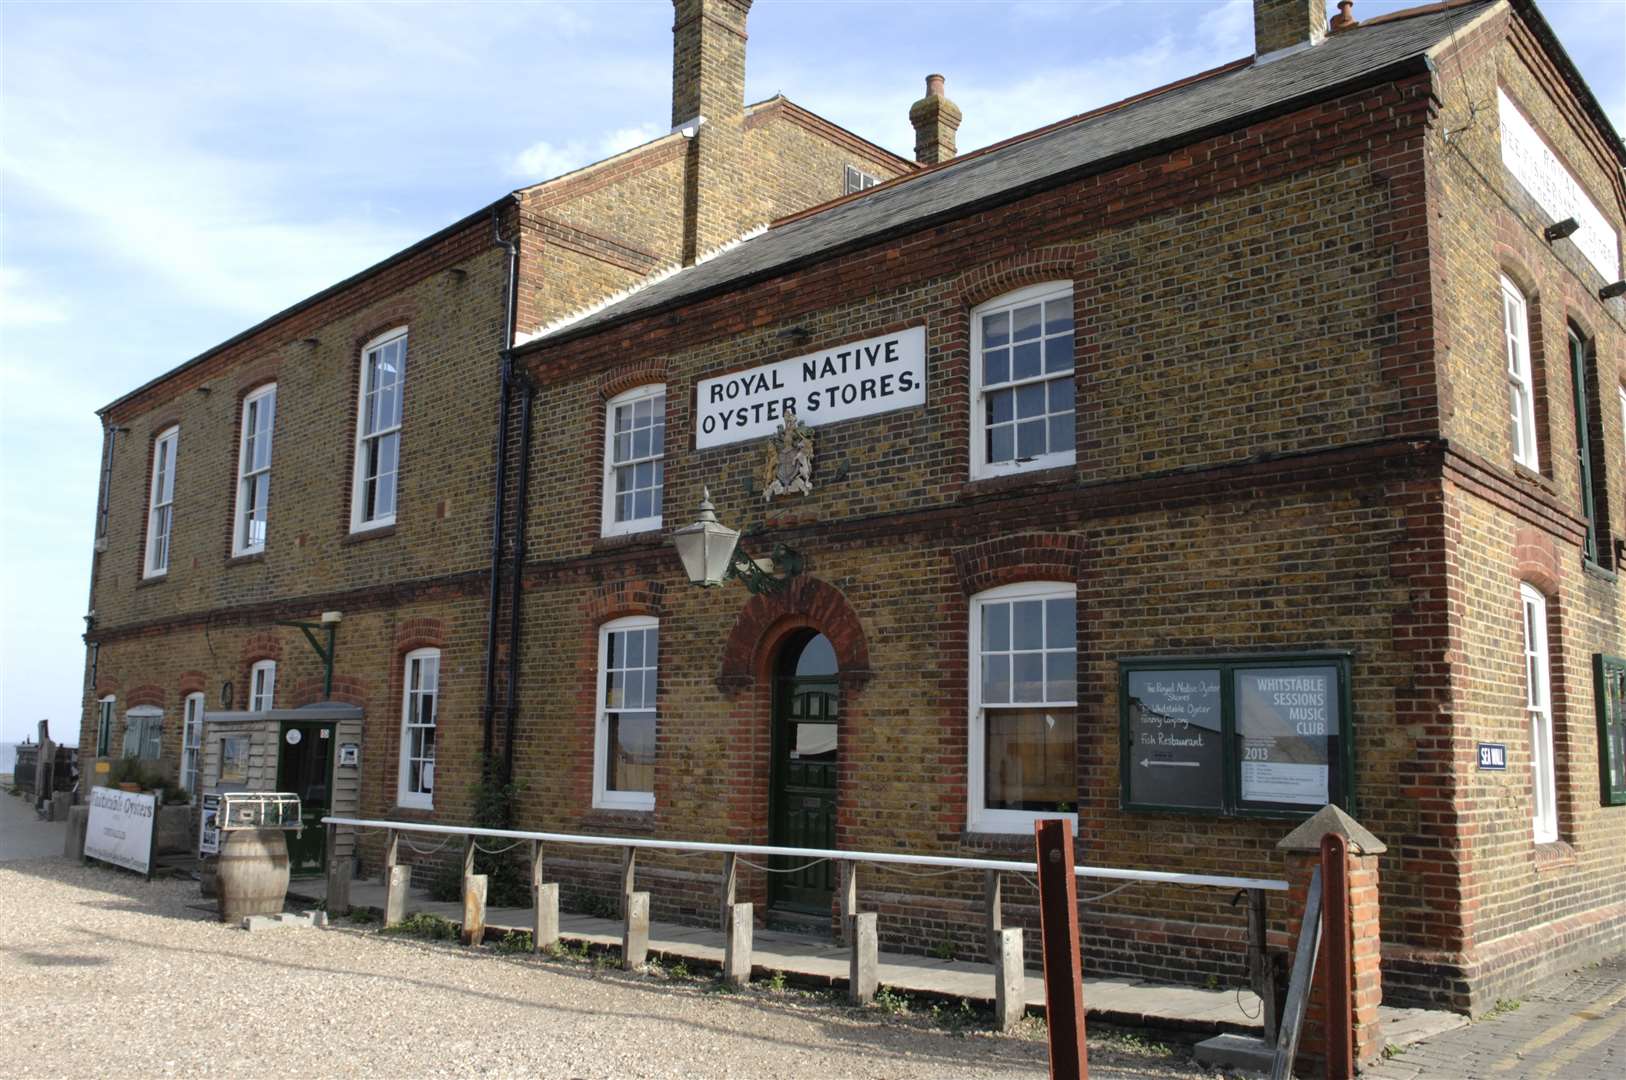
column 120, row 828
column 209, row 830
column 876, row 375
column 1555, row 190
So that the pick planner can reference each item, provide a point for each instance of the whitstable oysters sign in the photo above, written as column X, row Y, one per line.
column 876, row 375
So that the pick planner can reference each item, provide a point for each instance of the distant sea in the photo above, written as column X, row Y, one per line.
column 8, row 758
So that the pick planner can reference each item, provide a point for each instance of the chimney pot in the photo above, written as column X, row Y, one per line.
column 1343, row 20
column 935, row 119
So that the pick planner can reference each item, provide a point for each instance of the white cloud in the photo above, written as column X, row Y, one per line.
column 21, row 304
column 544, row 160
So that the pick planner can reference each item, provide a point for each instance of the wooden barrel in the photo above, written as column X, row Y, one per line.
column 252, row 873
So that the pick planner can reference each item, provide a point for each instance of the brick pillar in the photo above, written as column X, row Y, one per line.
column 1301, row 850
column 935, row 119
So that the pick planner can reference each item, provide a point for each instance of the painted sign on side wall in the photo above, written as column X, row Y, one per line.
column 865, row 378
column 120, row 827
column 1527, row 156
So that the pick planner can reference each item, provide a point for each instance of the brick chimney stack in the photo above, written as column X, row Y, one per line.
column 1284, row 24
column 708, row 60
column 936, row 119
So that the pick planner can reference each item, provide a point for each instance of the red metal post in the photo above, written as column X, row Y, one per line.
column 1335, row 938
column 1058, row 926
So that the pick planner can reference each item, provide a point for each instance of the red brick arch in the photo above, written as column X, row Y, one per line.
column 1535, row 559
column 805, row 602
column 145, row 695
column 419, row 633
column 1058, row 262
column 193, row 682
column 1029, row 556
column 619, row 599
column 619, row 380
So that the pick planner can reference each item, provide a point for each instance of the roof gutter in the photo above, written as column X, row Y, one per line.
column 1412, row 65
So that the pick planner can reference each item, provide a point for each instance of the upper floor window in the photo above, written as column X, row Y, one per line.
column 104, row 726
column 857, row 179
column 160, row 501
column 624, row 736
column 1024, row 691
column 378, row 431
column 634, row 472
column 144, row 732
column 421, row 690
column 254, row 471
column 1521, row 386
column 1539, row 715
column 1022, row 381
column 262, row 685
column 191, row 740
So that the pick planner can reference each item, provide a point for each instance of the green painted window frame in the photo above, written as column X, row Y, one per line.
column 104, row 725
column 1341, row 775
column 1583, row 443
column 1605, row 668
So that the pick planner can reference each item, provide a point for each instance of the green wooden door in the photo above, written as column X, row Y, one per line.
column 305, row 767
column 803, row 799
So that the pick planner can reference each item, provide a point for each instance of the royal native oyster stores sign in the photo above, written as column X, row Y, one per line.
column 1544, row 176
column 864, row 378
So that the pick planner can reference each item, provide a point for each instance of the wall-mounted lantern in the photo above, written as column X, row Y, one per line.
column 711, row 554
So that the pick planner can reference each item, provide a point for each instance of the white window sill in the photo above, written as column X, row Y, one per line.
column 627, row 528
column 243, row 553
column 414, row 802
column 369, row 526
column 1015, row 822
column 983, row 471
column 633, row 801
column 153, row 575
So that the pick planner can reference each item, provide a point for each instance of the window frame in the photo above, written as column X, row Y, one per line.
column 1340, row 773
column 419, row 800
column 1519, row 370
column 105, row 707
column 1604, row 668
column 611, row 527
column 980, row 466
column 191, row 748
column 979, row 817
column 603, row 797
column 146, row 723
column 1539, row 716
column 269, row 667
column 358, row 478
column 172, row 437
column 854, row 179
column 253, row 402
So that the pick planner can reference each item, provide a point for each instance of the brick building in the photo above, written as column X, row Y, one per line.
column 1253, row 443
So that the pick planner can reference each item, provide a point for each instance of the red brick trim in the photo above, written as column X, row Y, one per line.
column 621, row 379
column 1535, row 559
column 193, row 682
column 614, row 601
column 1057, row 262
column 1032, row 556
column 256, row 647
column 145, row 695
column 419, row 633
column 349, row 689
column 805, row 602
column 107, row 686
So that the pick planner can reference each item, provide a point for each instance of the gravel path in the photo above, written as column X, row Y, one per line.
column 107, row 974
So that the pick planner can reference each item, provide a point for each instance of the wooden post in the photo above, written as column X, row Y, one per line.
column 863, row 967
column 395, row 894
column 338, row 876
column 635, row 932
column 629, row 866
column 1010, row 980
column 993, row 906
column 546, row 933
column 1335, row 935
column 849, row 899
column 468, row 857
column 1063, row 972
column 737, row 947
column 730, row 883
column 392, row 853
column 474, row 908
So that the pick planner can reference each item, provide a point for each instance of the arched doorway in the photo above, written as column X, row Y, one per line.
column 802, row 782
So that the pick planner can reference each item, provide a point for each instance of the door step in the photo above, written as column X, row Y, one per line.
column 799, row 922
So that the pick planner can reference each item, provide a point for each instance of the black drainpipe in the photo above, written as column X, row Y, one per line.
column 488, row 712
column 527, row 395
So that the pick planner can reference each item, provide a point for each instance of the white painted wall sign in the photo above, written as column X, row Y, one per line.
column 1534, row 165
column 120, row 828
column 877, row 375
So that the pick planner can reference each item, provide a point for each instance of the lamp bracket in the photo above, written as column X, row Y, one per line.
column 756, row 578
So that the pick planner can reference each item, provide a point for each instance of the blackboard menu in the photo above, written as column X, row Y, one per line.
column 1286, row 725
column 1174, row 751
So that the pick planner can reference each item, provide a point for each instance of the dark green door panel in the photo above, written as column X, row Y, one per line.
column 803, row 799
column 305, row 767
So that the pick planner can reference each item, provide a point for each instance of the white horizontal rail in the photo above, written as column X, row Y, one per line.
column 1159, row 876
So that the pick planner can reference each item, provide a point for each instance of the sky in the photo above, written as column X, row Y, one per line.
column 171, row 174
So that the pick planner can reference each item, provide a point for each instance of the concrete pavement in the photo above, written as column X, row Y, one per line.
column 23, row 835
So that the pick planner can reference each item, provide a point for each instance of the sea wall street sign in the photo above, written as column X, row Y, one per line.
column 864, row 378
column 120, row 827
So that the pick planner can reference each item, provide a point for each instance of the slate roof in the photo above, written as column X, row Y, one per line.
column 1365, row 55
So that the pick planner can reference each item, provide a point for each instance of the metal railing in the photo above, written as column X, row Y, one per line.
column 1261, row 972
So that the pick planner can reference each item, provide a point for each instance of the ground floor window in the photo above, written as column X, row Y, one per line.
column 143, row 732
column 624, row 737
column 262, row 685
column 1610, row 681
column 1024, row 689
column 419, row 698
column 1539, row 715
column 104, row 726
column 191, row 741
